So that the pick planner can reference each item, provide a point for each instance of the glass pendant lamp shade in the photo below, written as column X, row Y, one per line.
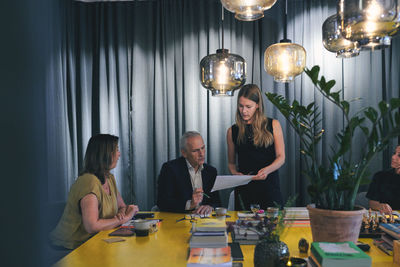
column 334, row 41
column 371, row 23
column 284, row 60
column 248, row 10
column 222, row 73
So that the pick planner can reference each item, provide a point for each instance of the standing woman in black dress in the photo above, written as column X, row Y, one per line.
column 257, row 142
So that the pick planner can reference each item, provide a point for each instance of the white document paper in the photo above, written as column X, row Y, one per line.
column 229, row 181
column 337, row 248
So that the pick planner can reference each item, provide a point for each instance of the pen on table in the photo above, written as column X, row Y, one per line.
column 207, row 196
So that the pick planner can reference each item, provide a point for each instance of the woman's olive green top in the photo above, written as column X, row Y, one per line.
column 70, row 232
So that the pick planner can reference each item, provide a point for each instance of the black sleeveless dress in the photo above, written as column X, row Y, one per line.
column 250, row 160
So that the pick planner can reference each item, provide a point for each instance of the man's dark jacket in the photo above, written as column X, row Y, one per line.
column 175, row 187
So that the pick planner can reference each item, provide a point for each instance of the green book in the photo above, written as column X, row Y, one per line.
column 343, row 254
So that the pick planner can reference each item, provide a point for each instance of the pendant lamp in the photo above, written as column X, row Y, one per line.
column 371, row 23
column 222, row 73
column 284, row 60
column 248, row 10
column 334, row 41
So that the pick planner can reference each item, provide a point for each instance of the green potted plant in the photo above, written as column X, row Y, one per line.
column 333, row 186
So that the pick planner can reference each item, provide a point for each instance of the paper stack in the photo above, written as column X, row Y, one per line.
column 296, row 217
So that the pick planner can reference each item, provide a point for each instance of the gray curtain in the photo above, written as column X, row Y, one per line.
column 132, row 69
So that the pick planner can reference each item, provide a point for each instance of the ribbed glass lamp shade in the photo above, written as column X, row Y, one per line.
column 222, row 73
column 248, row 10
column 284, row 61
column 334, row 41
column 371, row 23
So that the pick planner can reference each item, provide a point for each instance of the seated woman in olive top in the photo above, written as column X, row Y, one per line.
column 94, row 203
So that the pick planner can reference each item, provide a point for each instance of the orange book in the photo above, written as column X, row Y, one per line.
column 210, row 257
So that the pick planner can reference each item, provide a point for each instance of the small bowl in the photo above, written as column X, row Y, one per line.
column 220, row 211
column 141, row 224
column 297, row 262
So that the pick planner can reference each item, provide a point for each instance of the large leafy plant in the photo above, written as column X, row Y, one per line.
column 335, row 184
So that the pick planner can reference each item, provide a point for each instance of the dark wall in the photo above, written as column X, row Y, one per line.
column 22, row 107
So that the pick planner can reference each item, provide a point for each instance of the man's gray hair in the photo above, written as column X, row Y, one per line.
column 185, row 137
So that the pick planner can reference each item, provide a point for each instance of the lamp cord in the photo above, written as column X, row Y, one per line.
column 222, row 22
column 285, row 21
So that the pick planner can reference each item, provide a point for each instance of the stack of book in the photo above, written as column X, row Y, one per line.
column 202, row 257
column 385, row 242
column 343, row 254
column 393, row 229
column 209, row 233
column 297, row 216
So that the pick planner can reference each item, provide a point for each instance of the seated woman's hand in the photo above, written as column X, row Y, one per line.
column 131, row 210
column 121, row 213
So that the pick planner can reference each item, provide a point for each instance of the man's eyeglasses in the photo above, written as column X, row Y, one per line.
column 192, row 217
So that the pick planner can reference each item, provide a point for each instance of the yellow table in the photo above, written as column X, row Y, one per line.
column 169, row 247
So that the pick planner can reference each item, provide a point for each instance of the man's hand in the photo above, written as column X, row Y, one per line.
column 197, row 198
column 204, row 209
column 385, row 208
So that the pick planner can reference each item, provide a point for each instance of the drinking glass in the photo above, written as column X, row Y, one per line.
column 255, row 208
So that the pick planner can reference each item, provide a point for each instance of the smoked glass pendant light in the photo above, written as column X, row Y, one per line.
column 248, row 10
column 334, row 41
column 371, row 23
column 284, row 60
column 222, row 73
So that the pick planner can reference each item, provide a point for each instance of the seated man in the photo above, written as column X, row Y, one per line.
column 384, row 190
column 184, row 184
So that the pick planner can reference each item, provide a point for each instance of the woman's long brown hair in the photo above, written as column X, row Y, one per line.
column 99, row 155
column 261, row 136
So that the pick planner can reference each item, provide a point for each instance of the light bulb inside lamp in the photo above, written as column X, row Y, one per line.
column 373, row 11
column 284, row 64
column 222, row 75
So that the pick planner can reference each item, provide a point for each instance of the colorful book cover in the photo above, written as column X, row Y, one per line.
column 210, row 256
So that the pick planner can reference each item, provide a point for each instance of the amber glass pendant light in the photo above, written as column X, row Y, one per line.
column 371, row 23
column 222, row 73
column 248, row 10
column 334, row 41
column 284, row 60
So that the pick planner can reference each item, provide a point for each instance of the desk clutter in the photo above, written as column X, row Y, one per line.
column 169, row 246
column 248, row 230
column 384, row 229
column 370, row 227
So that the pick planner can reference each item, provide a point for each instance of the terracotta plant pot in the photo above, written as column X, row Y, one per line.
column 335, row 225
